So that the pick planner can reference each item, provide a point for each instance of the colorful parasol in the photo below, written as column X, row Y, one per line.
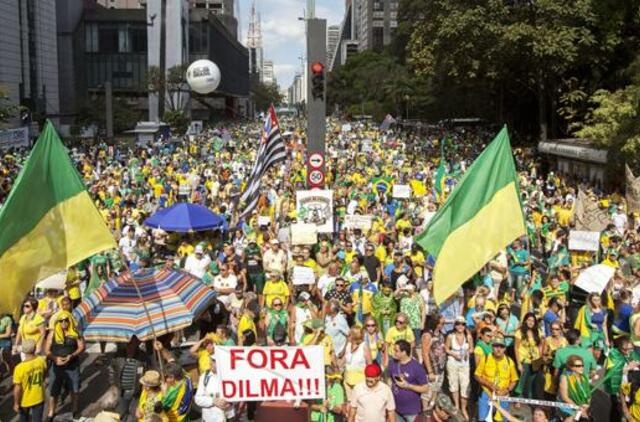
column 167, row 301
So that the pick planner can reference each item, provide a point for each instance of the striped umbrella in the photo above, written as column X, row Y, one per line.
column 167, row 301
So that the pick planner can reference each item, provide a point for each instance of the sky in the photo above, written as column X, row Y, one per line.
column 283, row 37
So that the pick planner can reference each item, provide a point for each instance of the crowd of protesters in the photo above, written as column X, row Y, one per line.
column 520, row 328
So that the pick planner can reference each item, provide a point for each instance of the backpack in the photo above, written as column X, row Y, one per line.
column 279, row 333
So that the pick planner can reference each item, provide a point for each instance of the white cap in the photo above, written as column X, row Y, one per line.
column 199, row 249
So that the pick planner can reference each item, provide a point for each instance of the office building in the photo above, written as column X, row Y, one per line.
column 377, row 21
column 333, row 37
column 268, row 76
column 29, row 52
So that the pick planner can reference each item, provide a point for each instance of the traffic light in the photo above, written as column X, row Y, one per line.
column 317, row 81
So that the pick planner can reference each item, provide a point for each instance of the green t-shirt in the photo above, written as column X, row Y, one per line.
column 5, row 322
column 335, row 397
column 562, row 354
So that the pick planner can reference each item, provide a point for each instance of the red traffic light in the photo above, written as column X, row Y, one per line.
column 317, row 67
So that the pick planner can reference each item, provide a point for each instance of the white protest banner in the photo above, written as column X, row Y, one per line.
column 304, row 234
column 270, row 373
column 346, row 127
column 595, row 278
column 584, row 241
column 315, row 207
column 362, row 222
column 14, row 138
column 303, row 275
column 401, row 191
column 264, row 220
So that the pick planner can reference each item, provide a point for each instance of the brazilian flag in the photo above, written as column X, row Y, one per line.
column 381, row 184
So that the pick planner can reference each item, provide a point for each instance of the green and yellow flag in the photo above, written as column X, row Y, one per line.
column 48, row 222
column 481, row 216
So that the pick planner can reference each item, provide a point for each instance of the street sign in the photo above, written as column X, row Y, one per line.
column 316, row 179
column 316, row 160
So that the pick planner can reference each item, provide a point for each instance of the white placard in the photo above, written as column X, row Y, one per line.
column 270, row 373
column 595, row 278
column 362, row 222
column 315, row 207
column 303, row 275
column 346, row 127
column 14, row 138
column 584, row 241
column 401, row 191
column 264, row 220
column 304, row 234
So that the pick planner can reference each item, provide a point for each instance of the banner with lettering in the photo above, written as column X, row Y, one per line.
column 270, row 373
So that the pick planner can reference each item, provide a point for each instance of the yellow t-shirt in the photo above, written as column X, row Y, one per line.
column 30, row 376
column 72, row 285
column 393, row 335
column 146, row 403
column 326, row 343
column 246, row 323
column 275, row 289
column 500, row 373
column 30, row 329
column 528, row 350
column 204, row 361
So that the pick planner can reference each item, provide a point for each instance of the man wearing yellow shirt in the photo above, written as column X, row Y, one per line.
column 496, row 373
column 275, row 287
column 28, row 384
column 401, row 331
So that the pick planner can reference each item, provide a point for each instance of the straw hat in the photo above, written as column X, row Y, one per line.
column 150, row 379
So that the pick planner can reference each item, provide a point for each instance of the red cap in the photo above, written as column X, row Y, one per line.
column 372, row 370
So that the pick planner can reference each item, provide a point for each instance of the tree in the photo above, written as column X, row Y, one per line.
column 91, row 111
column 175, row 85
column 7, row 110
column 263, row 95
column 513, row 59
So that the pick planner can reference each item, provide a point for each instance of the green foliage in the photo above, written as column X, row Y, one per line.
column 264, row 95
column 7, row 110
column 178, row 121
column 174, row 82
column 521, row 58
column 92, row 111
column 372, row 83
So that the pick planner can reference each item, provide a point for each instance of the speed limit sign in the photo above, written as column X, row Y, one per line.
column 316, row 178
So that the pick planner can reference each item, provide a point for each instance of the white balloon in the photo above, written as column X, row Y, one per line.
column 203, row 76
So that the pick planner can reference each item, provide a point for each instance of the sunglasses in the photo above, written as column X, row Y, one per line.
column 63, row 320
column 26, row 305
column 277, row 304
column 578, row 365
column 460, row 323
column 340, row 285
column 499, row 346
column 401, row 322
column 371, row 325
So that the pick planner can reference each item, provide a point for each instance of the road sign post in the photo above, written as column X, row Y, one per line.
column 316, row 101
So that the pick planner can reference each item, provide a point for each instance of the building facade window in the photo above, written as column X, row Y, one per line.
column 91, row 38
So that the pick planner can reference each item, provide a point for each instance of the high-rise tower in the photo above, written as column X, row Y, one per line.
column 254, row 44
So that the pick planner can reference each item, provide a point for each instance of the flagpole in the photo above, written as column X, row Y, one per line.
column 146, row 311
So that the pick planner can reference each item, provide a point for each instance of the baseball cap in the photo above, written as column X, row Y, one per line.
column 498, row 340
column 275, row 242
column 372, row 370
column 199, row 249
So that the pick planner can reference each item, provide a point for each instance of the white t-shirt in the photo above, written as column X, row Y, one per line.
column 197, row 267
column 228, row 282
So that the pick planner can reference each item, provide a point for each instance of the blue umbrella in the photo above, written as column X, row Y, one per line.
column 185, row 217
